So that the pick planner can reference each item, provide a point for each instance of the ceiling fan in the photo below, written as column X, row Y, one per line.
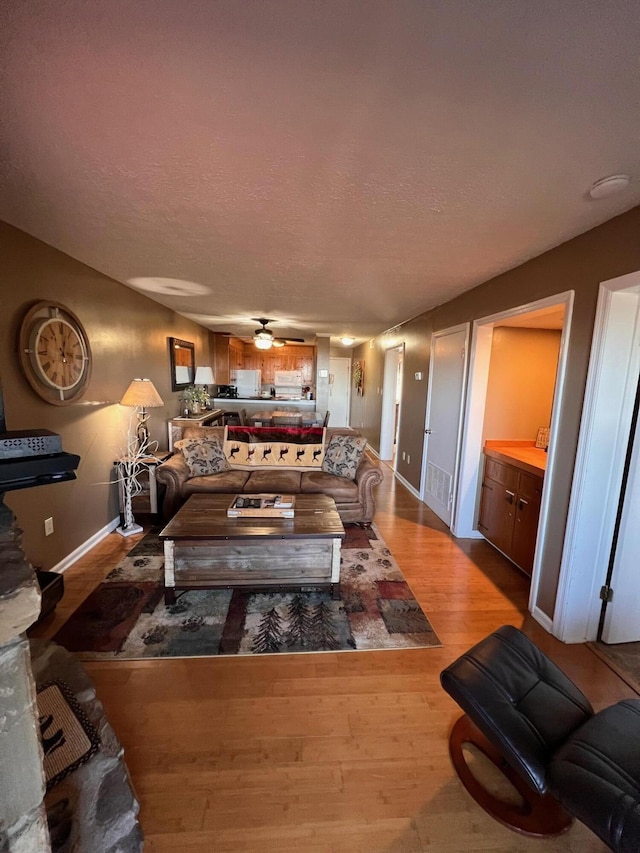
column 263, row 337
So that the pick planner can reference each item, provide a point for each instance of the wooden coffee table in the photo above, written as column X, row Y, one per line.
column 204, row 549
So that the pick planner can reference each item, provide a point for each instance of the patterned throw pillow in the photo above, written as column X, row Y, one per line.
column 342, row 455
column 203, row 455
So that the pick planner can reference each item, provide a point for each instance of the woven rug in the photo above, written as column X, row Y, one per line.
column 126, row 618
column 67, row 737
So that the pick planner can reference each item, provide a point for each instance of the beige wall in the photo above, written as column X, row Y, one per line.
column 128, row 335
column 605, row 252
column 522, row 375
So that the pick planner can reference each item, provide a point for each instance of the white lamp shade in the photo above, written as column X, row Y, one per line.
column 263, row 343
column 204, row 376
column 182, row 374
column 142, row 392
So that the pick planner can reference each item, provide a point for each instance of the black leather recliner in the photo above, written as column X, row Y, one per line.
column 540, row 730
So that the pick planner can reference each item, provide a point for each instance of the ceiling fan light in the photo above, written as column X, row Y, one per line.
column 263, row 343
column 278, row 343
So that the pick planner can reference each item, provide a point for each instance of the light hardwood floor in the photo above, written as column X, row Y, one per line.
column 327, row 753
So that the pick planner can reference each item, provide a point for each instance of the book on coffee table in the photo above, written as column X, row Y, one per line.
column 262, row 506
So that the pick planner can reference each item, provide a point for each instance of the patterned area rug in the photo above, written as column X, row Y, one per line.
column 126, row 618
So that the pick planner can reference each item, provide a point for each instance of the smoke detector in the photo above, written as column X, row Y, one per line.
column 609, row 186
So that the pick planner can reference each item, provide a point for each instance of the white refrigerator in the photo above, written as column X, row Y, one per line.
column 248, row 383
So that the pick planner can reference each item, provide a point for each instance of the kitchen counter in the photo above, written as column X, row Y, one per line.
column 297, row 401
column 523, row 454
column 233, row 404
column 305, row 418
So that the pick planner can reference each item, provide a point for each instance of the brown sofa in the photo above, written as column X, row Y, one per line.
column 354, row 498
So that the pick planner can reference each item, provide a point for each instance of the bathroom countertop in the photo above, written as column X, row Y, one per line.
column 522, row 454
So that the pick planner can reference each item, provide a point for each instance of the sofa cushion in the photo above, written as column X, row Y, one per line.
column 204, row 455
column 338, row 488
column 342, row 455
column 273, row 481
column 227, row 481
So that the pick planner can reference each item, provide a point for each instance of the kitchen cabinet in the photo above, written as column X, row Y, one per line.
column 236, row 355
column 231, row 354
column 228, row 356
column 298, row 358
column 510, row 510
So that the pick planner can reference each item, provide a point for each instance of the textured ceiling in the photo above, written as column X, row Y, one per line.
column 339, row 166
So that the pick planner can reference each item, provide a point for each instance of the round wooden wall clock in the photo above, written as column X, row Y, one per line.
column 55, row 353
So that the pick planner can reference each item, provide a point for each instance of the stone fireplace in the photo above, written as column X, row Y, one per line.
column 24, row 822
column 90, row 807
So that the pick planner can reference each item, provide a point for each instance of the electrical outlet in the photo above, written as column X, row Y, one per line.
column 48, row 526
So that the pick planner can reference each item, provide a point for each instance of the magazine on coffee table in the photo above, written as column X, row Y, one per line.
column 262, row 506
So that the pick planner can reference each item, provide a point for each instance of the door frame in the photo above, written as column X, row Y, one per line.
column 388, row 406
column 602, row 446
column 466, row 516
column 452, row 330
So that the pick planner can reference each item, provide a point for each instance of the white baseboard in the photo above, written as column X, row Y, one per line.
column 83, row 549
column 408, row 486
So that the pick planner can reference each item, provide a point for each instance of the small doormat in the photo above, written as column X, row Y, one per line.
column 68, row 738
column 623, row 659
column 126, row 617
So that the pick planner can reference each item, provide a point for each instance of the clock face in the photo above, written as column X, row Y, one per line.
column 60, row 355
column 55, row 353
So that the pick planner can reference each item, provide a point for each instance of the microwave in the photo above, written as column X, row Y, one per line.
column 289, row 378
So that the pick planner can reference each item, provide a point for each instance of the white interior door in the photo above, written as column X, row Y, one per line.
column 339, row 391
column 621, row 623
column 392, row 359
column 447, row 375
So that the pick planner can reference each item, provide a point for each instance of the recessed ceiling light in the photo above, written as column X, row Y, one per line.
column 347, row 341
column 609, row 186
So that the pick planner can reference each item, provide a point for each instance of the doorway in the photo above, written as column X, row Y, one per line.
column 470, row 480
column 605, row 428
column 339, row 391
column 391, row 396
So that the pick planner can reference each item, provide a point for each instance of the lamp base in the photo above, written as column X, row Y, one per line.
column 129, row 531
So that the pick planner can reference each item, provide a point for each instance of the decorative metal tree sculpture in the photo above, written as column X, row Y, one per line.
column 130, row 466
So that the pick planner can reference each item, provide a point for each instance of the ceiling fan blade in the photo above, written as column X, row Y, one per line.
column 267, row 333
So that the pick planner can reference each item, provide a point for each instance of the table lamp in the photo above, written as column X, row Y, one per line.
column 204, row 376
column 142, row 395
